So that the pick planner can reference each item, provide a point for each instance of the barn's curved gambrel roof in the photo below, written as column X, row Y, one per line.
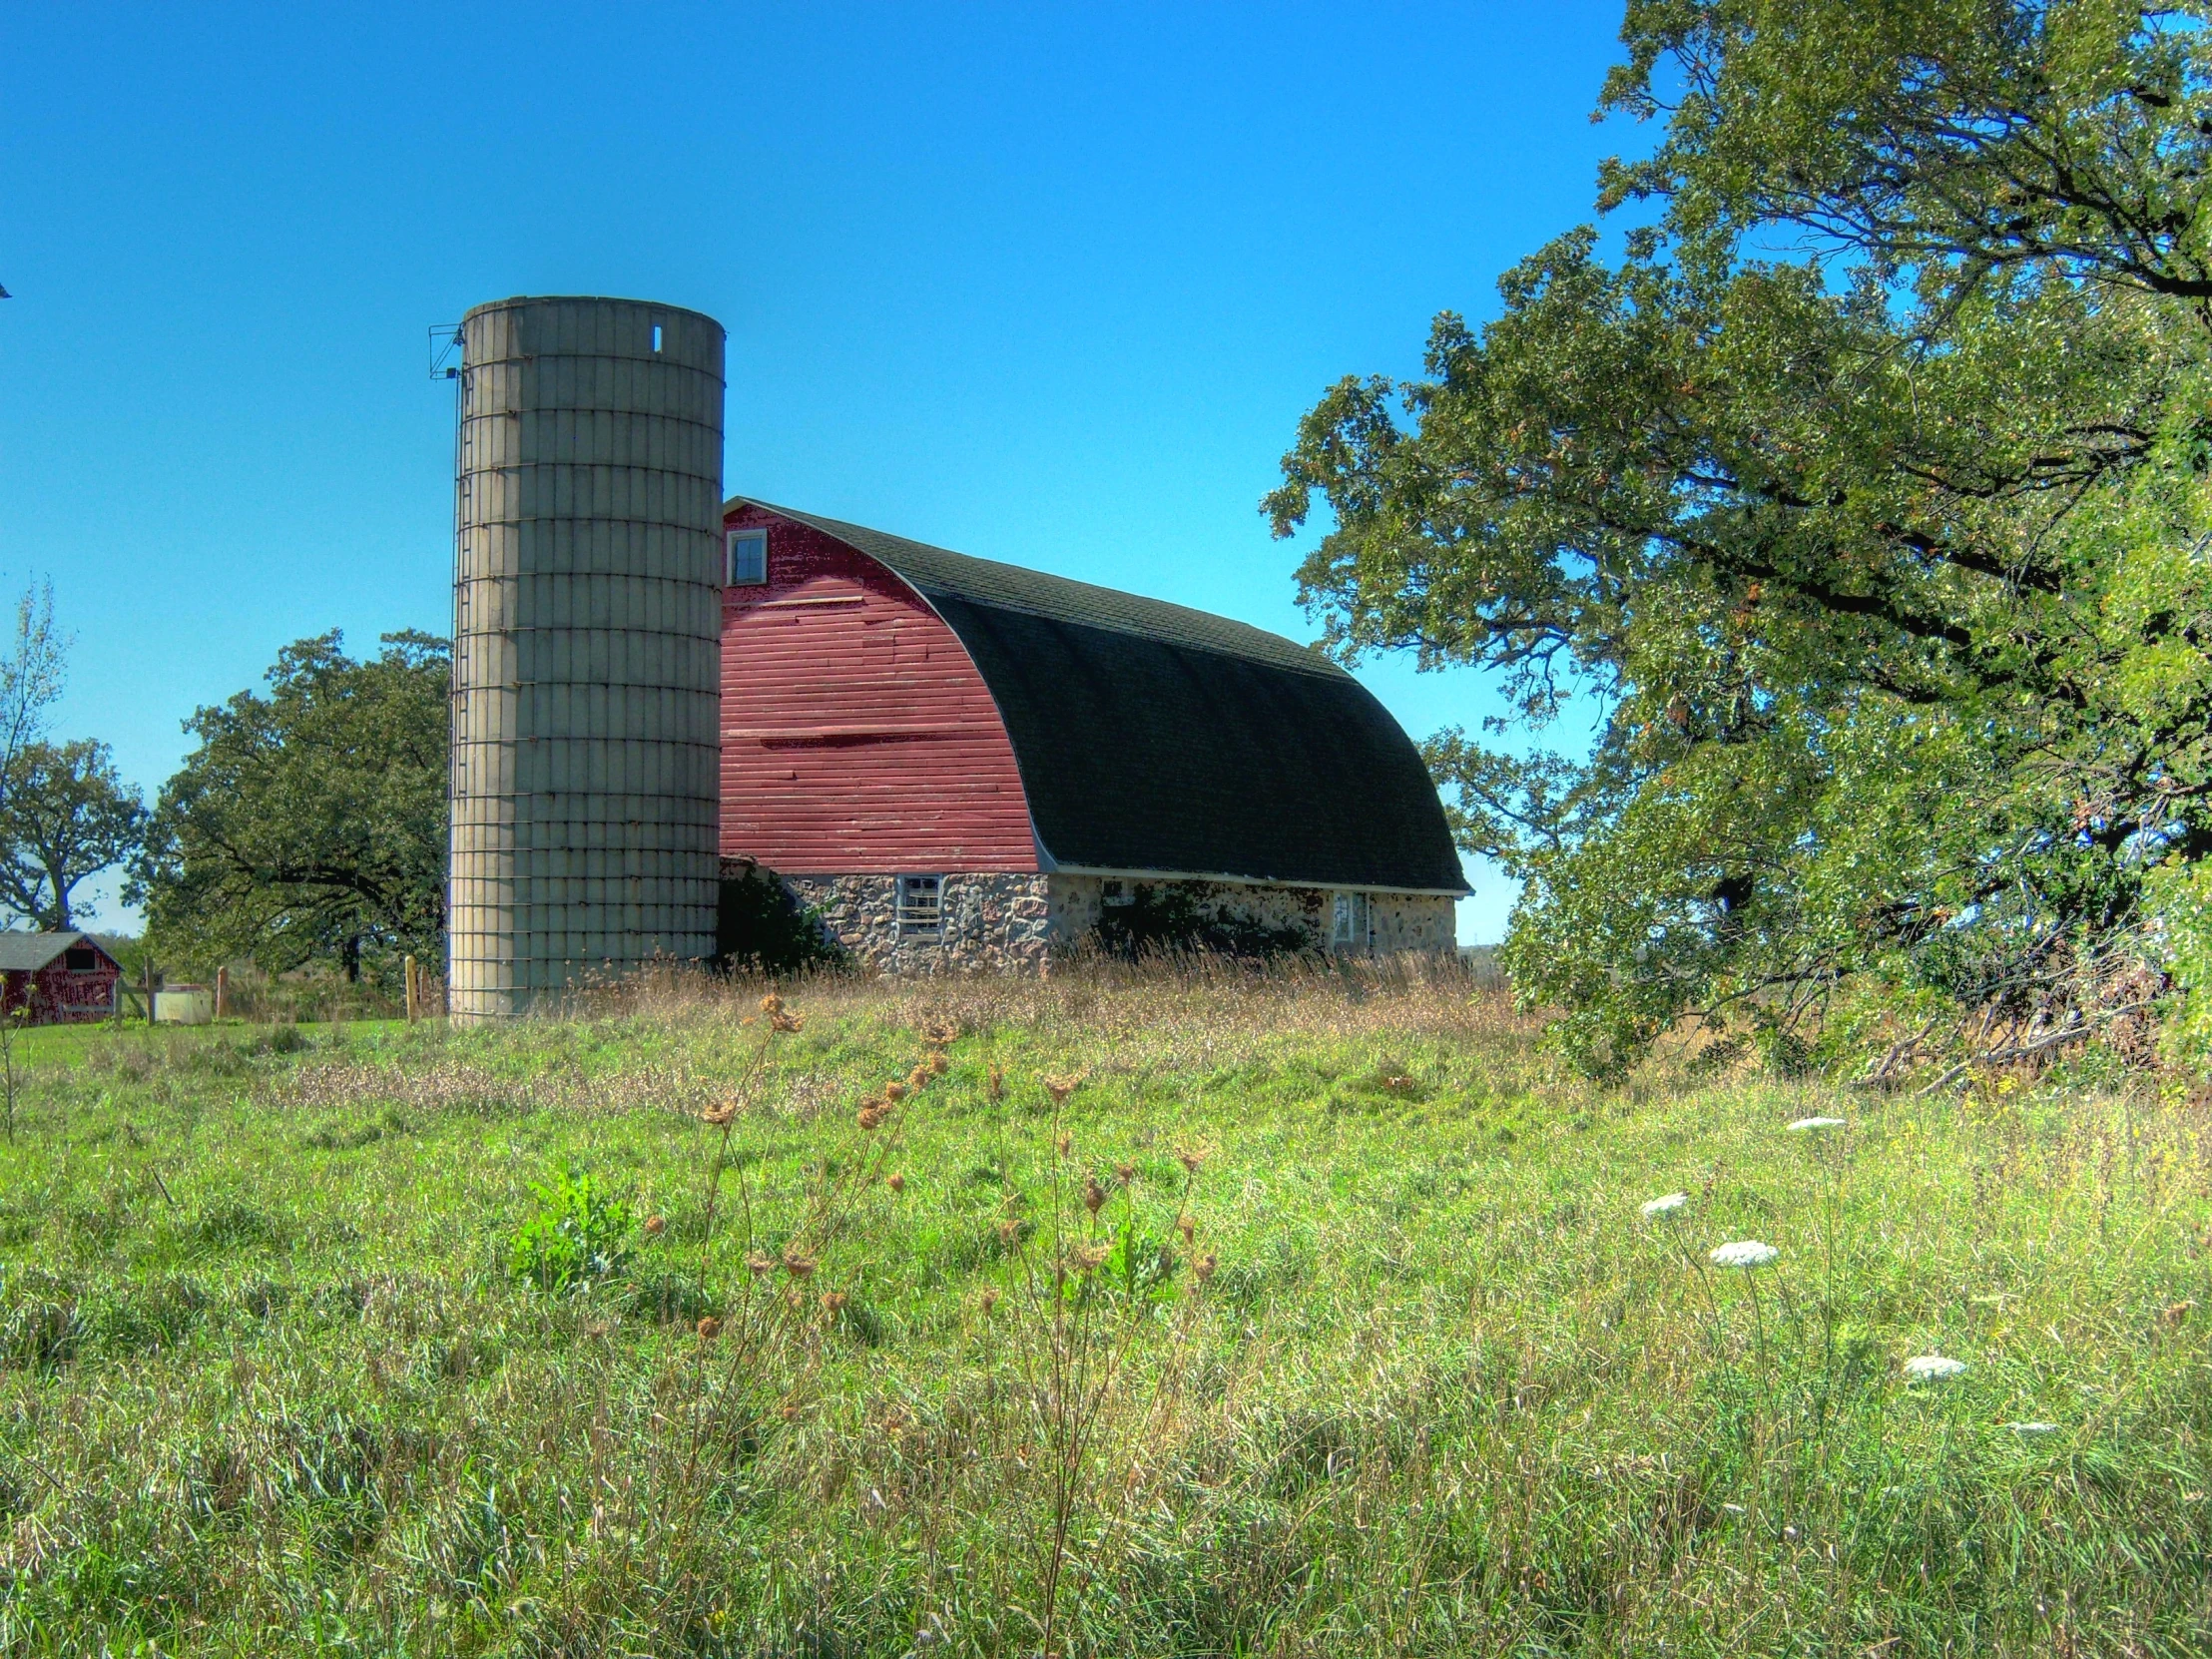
column 1152, row 737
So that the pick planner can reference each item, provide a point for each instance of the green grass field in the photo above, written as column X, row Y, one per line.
column 1420, row 1376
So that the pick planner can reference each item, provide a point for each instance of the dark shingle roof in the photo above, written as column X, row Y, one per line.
column 1152, row 737
column 28, row 952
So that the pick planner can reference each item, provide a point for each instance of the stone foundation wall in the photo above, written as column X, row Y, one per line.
column 1420, row 922
column 1000, row 922
column 992, row 921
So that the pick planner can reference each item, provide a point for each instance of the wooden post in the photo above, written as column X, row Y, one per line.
column 149, row 990
column 221, row 993
column 410, row 991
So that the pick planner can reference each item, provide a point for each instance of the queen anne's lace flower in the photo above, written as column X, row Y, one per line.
column 1667, row 1204
column 1931, row 1368
column 1744, row 1253
column 1804, row 1124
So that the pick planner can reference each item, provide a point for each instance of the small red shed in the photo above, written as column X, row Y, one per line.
column 62, row 976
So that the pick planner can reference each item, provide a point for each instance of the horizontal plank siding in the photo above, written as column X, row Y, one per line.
column 856, row 734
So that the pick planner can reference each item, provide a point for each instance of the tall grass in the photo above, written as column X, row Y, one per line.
column 1182, row 1310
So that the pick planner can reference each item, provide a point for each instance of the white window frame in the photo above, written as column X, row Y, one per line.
column 1351, row 920
column 920, row 906
column 753, row 538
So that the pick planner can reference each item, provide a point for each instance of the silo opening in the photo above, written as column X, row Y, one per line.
column 656, row 336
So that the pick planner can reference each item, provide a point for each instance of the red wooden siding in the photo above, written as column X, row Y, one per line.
column 62, row 993
column 856, row 735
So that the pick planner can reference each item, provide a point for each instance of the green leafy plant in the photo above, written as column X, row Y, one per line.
column 1848, row 530
column 579, row 1237
column 759, row 927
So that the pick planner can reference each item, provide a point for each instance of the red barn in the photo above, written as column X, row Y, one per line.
column 955, row 762
column 61, row 976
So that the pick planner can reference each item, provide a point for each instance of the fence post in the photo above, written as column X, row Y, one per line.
column 410, row 991
column 149, row 990
column 221, row 993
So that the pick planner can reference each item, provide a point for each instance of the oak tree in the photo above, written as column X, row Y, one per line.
column 308, row 826
column 1864, row 496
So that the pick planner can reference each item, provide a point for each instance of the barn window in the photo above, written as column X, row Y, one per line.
column 748, row 558
column 921, row 906
column 81, row 959
column 1349, row 920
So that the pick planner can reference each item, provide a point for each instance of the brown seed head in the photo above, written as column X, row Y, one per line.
column 1067, row 1145
column 720, row 1113
column 787, row 1022
column 798, row 1266
column 871, row 1117
column 894, row 1091
column 1094, row 1196
column 1189, row 1159
column 1008, row 1232
column 919, row 1077
column 941, row 1032
column 995, row 1084
column 938, row 1064
column 1185, row 1226
column 1089, row 1257
column 709, row 1329
column 772, row 1004
column 1203, row 1269
column 1124, row 1173
column 758, row 1265
column 896, row 1181
column 655, row 1226
column 1059, row 1088
column 832, row 1302
column 991, row 1301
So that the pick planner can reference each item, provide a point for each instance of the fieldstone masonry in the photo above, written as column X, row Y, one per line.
column 995, row 920
column 990, row 921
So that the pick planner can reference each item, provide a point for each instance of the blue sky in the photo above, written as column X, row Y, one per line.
column 1047, row 284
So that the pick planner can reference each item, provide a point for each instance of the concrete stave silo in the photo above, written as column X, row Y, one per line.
column 586, row 664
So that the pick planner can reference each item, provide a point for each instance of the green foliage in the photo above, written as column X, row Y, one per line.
column 309, row 827
column 1140, row 1264
column 1182, row 916
column 760, row 928
column 65, row 814
column 1884, row 561
column 578, row 1238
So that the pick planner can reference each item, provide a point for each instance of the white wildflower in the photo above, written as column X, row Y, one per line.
column 1743, row 1253
column 1931, row 1368
column 1804, row 1124
column 2032, row 1427
column 1666, row 1205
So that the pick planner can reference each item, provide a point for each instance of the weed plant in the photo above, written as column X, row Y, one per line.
column 1158, row 1309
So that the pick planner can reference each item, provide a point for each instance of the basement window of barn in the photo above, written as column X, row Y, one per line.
column 921, row 906
column 1349, row 920
column 748, row 558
